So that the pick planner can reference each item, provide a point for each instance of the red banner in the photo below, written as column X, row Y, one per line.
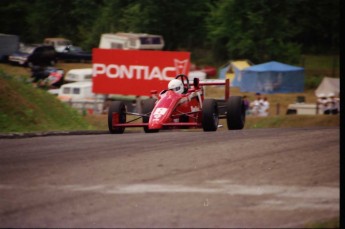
column 134, row 72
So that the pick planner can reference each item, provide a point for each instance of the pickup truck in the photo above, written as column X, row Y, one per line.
column 34, row 54
column 58, row 43
column 66, row 51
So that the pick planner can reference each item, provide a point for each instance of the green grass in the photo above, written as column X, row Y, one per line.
column 24, row 108
column 316, row 67
column 323, row 62
column 332, row 223
column 292, row 121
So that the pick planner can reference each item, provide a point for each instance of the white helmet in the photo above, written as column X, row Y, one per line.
column 176, row 85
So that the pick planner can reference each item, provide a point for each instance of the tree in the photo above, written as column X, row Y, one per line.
column 107, row 20
column 181, row 23
column 259, row 30
column 50, row 18
column 318, row 25
column 85, row 13
column 12, row 16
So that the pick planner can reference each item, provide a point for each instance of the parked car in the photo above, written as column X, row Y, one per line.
column 73, row 53
column 30, row 55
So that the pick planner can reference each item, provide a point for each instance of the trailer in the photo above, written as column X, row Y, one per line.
column 134, row 41
column 8, row 45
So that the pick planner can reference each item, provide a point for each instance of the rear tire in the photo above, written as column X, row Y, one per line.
column 235, row 113
column 120, row 108
column 147, row 107
column 210, row 116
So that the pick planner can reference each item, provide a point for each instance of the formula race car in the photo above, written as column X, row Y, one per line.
column 176, row 108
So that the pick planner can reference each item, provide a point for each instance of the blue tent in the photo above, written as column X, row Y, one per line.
column 272, row 77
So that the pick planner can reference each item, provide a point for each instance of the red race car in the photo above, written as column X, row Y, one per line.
column 180, row 106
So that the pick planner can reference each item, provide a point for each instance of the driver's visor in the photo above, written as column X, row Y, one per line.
column 176, row 88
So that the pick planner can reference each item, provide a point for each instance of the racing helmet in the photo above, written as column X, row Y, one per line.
column 176, row 85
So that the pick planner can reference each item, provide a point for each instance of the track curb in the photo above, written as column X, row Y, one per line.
column 51, row 133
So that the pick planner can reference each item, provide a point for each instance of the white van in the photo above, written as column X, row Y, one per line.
column 134, row 41
column 76, row 91
column 79, row 75
column 79, row 95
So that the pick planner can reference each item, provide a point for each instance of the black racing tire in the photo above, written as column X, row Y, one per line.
column 118, row 107
column 210, row 115
column 146, row 108
column 235, row 113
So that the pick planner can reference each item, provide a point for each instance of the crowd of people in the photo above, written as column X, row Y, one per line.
column 328, row 104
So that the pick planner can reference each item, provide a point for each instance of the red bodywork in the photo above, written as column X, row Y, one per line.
column 171, row 106
column 173, row 110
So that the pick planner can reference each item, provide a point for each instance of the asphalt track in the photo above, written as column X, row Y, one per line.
column 256, row 178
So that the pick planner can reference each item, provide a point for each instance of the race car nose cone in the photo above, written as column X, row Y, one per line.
column 155, row 125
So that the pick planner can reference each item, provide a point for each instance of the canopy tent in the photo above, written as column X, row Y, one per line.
column 232, row 71
column 328, row 85
column 272, row 77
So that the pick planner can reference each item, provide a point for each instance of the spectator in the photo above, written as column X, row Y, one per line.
column 264, row 106
column 332, row 104
column 246, row 103
column 255, row 105
column 322, row 103
column 38, row 73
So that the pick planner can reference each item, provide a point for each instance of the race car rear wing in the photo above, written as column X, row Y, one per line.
column 208, row 82
column 215, row 82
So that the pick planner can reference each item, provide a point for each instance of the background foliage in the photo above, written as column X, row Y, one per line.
column 259, row 30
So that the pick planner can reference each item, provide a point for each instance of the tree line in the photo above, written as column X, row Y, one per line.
column 213, row 30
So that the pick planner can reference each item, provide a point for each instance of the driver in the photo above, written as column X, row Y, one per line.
column 176, row 85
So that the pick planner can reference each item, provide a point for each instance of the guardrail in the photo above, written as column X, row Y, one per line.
column 99, row 107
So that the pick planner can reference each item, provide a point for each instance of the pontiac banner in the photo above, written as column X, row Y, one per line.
column 135, row 72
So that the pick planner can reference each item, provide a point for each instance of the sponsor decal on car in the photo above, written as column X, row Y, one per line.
column 159, row 112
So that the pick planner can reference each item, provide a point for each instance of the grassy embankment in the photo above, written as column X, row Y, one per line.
column 24, row 108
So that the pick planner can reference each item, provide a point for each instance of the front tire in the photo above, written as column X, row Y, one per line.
column 210, row 116
column 147, row 107
column 236, row 113
column 119, row 108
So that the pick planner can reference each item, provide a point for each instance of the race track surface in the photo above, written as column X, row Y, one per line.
column 249, row 178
